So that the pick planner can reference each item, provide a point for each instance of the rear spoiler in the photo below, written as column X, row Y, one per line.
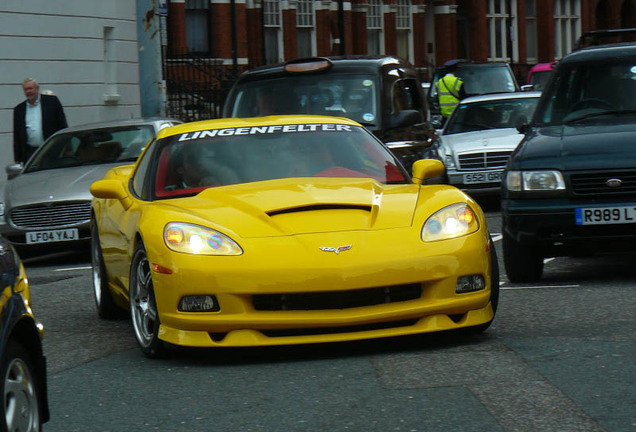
column 596, row 37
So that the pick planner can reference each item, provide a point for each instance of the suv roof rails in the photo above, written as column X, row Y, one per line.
column 595, row 37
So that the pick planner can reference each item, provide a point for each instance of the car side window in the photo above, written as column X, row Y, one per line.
column 139, row 183
column 406, row 96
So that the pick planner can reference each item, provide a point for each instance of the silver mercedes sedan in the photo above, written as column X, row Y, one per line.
column 46, row 203
column 479, row 137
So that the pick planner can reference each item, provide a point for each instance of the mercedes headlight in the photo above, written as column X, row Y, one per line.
column 450, row 222
column 198, row 240
column 545, row 180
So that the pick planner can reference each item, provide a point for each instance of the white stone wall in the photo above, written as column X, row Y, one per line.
column 62, row 45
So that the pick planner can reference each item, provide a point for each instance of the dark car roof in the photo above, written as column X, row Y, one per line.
column 369, row 64
column 600, row 52
column 471, row 64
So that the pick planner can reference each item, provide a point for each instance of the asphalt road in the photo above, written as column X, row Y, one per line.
column 559, row 357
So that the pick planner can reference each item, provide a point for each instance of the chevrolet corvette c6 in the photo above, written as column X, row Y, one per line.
column 285, row 230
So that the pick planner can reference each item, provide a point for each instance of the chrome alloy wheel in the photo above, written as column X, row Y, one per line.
column 97, row 274
column 21, row 406
column 143, row 307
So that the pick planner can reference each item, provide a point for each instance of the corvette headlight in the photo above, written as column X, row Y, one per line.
column 198, row 240
column 450, row 222
column 550, row 180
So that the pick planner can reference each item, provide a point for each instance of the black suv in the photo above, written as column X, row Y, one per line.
column 383, row 93
column 478, row 78
column 570, row 186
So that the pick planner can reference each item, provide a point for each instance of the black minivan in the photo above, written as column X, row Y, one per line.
column 383, row 93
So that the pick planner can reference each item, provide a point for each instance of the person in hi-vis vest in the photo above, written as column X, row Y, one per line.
column 450, row 90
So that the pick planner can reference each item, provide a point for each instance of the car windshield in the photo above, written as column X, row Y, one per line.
column 493, row 114
column 92, row 147
column 350, row 95
column 190, row 162
column 539, row 79
column 480, row 80
column 590, row 92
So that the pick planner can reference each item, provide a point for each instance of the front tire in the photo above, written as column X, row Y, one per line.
column 523, row 263
column 104, row 302
column 143, row 306
column 20, row 401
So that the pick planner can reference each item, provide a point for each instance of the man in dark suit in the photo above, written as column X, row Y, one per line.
column 34, row 120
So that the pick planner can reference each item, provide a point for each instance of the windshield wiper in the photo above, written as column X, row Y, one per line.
column 599, row 114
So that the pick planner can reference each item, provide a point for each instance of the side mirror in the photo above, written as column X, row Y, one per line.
column 9, row 265
column 436, row 121
column 527, row 87
column 522, row 126
column 111, row 189
column 405, row 118
column 425, row 169
column 14, row 170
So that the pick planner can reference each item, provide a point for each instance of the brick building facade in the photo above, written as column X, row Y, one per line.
column 249, row 33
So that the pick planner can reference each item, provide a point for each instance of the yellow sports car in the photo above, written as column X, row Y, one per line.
column 285, row 230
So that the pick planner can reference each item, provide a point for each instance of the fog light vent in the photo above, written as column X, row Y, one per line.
column 471, row 283
column 199, row 303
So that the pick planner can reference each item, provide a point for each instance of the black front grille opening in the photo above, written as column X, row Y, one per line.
column 337, row 300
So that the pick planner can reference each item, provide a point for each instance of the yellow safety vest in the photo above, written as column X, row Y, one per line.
column 448, row 93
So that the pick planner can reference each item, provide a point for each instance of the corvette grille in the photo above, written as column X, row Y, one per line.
column 483, row 160
column 51, row 216
column 595, row 183
column 337, row 300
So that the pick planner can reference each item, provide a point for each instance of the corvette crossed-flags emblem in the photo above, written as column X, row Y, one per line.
column 337, row 250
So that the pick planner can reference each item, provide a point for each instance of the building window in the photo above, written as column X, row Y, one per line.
column 111, row 94
column 305, row 27
column 567, row 21
column 197, row 35
column 374, row 27
column 403, row 27
column 273, row 30
column 501, row 30
column 531, row 31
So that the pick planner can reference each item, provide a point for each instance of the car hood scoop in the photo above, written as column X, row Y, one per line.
column 302, row 206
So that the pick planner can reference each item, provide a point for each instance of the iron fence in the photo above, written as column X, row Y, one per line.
column 197, row 86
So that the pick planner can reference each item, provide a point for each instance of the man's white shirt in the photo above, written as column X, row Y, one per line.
column 33, row 120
